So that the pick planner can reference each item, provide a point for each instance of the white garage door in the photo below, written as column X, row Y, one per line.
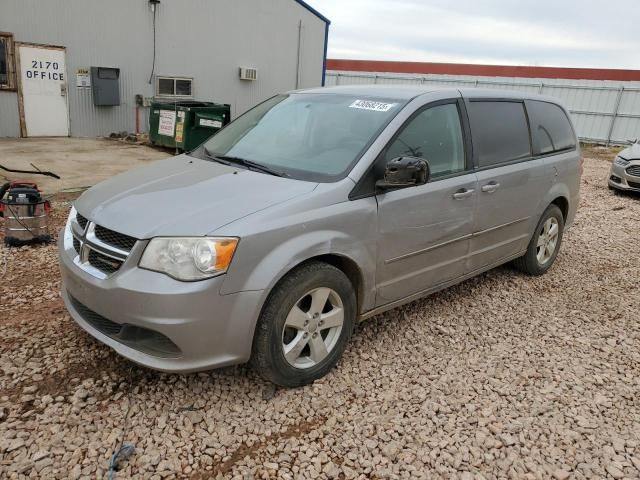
column 43, row 85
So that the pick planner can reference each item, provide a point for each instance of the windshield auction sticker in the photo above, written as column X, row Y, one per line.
column 371, row 105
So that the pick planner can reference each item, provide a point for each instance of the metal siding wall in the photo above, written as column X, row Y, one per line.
column 240, row 33
column 204, row 39
column 627, row 124
column 592, row 102
column 94, row 34
column 312, row 52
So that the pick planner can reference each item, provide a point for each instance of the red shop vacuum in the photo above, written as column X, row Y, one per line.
column 25, row 213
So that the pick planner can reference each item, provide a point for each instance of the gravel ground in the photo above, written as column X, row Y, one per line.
column 503, row 376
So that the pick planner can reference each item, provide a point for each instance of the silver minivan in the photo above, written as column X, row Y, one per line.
column 311, row 211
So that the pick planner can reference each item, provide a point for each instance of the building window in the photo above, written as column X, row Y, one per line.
column 174, row 87
column 7, row 71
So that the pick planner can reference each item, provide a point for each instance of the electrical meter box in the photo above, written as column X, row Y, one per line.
column 105, row 84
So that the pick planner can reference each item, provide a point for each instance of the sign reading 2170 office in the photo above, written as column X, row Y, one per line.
column 44, row 70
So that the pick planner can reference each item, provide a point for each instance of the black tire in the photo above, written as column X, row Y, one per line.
column 529, row 262
column 268, row 357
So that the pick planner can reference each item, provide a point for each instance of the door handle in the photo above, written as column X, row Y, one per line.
column 490, row 187
column 463, row 193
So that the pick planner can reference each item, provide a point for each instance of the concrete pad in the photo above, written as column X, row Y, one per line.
column 80, row 162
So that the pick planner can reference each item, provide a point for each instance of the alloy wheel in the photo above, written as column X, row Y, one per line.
column 547, row 240
column 312, row 328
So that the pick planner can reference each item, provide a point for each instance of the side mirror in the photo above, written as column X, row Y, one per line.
column 405, row 172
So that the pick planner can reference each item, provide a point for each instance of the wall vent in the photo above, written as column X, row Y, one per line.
column 247, row 73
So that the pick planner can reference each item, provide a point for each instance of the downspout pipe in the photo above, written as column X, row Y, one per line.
column 327, row 22
column 326, row 46
column 299, row 55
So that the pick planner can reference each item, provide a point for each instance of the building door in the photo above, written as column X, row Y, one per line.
column 42, row 91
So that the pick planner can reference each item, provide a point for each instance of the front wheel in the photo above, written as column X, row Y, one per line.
column 305, row 325
column 545, row 243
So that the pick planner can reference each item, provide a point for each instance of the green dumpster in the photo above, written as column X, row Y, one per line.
column 186, row 124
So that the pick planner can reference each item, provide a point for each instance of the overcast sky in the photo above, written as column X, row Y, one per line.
column 571, row 33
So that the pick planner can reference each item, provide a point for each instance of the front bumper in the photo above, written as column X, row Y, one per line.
column 619, row 178
column 159, row 322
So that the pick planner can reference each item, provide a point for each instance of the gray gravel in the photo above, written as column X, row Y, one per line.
column 503, row 376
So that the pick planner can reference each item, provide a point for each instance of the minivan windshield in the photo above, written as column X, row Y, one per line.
column 308, row 136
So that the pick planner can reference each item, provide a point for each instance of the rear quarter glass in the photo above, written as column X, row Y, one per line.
column 551, row 130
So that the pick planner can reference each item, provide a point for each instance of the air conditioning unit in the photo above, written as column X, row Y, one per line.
column 248, row 73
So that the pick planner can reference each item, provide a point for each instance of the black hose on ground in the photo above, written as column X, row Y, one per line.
column 31, row 172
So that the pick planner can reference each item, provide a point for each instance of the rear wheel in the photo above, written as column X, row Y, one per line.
column 545, row 243
column 305, row 325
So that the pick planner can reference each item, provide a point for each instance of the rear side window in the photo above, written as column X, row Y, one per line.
column 499, row 131
column 550, row 128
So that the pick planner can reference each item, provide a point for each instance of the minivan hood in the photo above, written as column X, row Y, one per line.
column 632, row 152
column 183, row 196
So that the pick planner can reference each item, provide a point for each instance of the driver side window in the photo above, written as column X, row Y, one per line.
column 434, row 134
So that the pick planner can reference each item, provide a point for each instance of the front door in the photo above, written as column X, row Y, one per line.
column 425, row 231
column 43, row 91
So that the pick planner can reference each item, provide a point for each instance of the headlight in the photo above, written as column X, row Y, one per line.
column 189, row 258
column 621, row 161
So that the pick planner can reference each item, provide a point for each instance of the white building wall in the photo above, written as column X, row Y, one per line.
column 603, row 111
column 205, row 39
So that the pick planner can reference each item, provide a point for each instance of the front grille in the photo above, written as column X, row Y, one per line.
column 101, row 252
column 634, row 184
column 76, row 245
column 140, row 338
column 115, row 239
column 82, row 221
column 634, row 170
column 103, row 263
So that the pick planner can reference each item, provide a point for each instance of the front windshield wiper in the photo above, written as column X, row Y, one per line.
column 213, row 157
column 228, row 160
column 250, row 164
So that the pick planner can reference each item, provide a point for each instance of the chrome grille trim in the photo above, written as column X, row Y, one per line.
column 82, row 221
column 77, row 228
column 106, row 247
column 634, row 170
column 114, row 239
column 104, row 263
column 76, row 245
column 91, row 254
